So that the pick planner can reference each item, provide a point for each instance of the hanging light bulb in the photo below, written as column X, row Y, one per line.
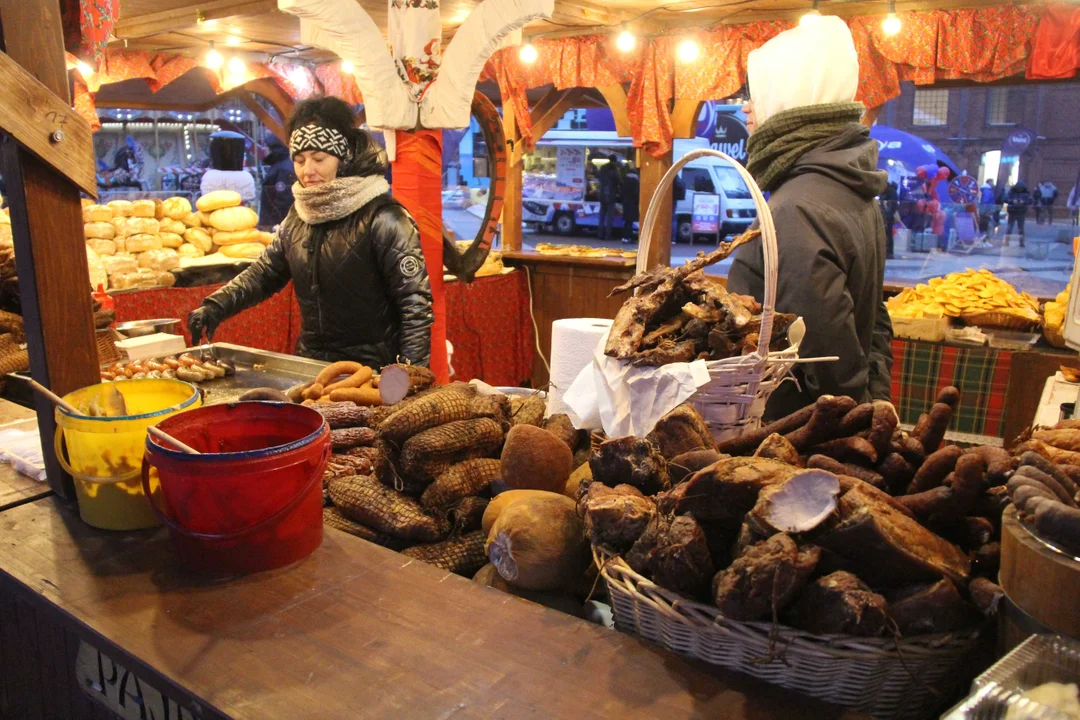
column 84, row 69
column 891, row 24
column 233, row 41
column 625, row 41
column 688, row 51
column 346, row 67
column 528, row 53
column 237, row 66
column 811, row 17
column 214, row 61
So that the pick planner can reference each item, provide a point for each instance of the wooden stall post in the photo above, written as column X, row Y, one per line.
column 652, row 171
column 511, row 211
column 46, row 214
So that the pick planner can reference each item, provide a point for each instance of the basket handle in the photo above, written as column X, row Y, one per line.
column 765, row 222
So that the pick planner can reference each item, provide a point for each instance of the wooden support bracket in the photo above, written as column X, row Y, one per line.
column 265, row 117
column 46, row 125
column 615, row 96
column 684, row 118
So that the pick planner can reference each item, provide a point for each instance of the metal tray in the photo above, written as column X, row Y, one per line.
column 993, row 702
column 254, row 368
column 1037, row 660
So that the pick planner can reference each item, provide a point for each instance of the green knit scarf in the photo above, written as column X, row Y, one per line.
column 781, row 140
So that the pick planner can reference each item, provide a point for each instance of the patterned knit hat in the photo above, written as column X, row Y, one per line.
column 323, row 139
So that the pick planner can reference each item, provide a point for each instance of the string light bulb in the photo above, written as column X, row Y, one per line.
column 688, row 51
column 811, row 16
column 237, row 66
column 346, row 67
column 214, row 61
column 528, row 53
column 233, row 41
column 625, row 41
column 891, row 24
column 84, row 69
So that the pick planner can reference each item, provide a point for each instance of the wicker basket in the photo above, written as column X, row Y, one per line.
column 883, row 677
column 997, row 319
column 107, row 351
column 734, row 398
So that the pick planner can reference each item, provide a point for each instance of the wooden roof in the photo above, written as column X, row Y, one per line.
column 257, row 25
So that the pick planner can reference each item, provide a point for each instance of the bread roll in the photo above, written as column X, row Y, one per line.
column 6, row 238
column 98, row 213
column 143, row 209
column 190, row 250
column 117, row 264
column 142, row 225
column 172, row 226
column 142, row 243
column 119, row 226
column 191, row 220
column 165, row 279
column 5, row 217
column 171, row 240
column 120, row 208
column 101, row 246
column 86, row 202
column 104, row 230
column 222, row 237
column 124, row 280
column 121, row 243
column 159, row 260
column 199, row 238
column 266, row 237
column 177, row 207
column 98, row 276
column 243, row 250
column 159, row 210
column 218, row 199
column 233, row 219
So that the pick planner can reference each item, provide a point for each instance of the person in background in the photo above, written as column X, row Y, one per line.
column 890, row 201
column 1049, row 193
column 227, row 166
column 277, row 185
column 1036, row 200
column 610, row 191
column 631, row 198
column 1018, row 201
column 986, row 196
column 1073, row 203
column 351, row 251
column 809, row 149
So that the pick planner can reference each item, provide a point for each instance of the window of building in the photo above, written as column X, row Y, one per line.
column 931, row 107
column 997, row 106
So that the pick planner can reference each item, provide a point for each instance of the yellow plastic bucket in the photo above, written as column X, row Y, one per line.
column 104, row 454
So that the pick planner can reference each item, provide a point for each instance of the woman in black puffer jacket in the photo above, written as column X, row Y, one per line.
column 352, row 252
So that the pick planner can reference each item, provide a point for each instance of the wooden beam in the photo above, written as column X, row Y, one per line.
column 511, row 210
column 684, row 118
column 278, row 98
column 264, row 117
column 652, row 170
column 615, row 96
column 187, row 16
column 46, row 221
column 543, row 119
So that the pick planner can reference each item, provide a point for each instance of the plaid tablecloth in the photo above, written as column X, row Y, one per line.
column 488, row 323
column 921, row 369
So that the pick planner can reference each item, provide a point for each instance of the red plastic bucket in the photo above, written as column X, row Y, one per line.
column 253, row 500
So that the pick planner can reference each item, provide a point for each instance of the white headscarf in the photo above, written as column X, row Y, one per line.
column 812, row 64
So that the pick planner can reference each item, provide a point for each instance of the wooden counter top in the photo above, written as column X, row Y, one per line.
column 357, row 631
column 15, row 487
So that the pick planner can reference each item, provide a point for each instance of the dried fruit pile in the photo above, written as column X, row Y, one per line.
column 831, row 520
column 418, row 476
column 680, row 314
column 968, row 293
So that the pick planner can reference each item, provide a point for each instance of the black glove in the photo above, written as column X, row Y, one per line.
column 200, row 319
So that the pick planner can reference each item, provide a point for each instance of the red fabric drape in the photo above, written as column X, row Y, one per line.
column 1056, row 46
column 981, row 44
column 418, row 186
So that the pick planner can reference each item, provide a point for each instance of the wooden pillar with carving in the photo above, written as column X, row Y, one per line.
column 47, row 157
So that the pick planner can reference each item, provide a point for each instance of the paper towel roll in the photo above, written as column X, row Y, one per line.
column 573, row 343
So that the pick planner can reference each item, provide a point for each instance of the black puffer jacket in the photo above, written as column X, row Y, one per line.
column 831, row 242
column 361, row 283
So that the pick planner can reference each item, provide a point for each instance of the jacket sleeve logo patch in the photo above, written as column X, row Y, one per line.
column 409, row 266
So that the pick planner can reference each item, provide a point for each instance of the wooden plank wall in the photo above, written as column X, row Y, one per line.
column 569, row 291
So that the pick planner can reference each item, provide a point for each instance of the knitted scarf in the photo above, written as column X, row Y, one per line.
column 338, row 198
column 780, row 141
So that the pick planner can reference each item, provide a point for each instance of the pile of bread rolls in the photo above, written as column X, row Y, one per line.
column 139, row 242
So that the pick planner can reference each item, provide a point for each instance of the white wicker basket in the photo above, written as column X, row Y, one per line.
column 734, row 398
column 883, row 677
